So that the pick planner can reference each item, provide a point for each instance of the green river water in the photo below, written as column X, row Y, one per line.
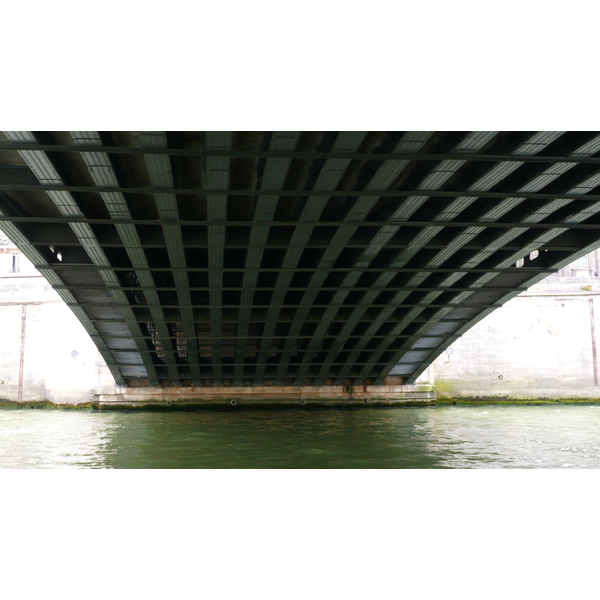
column 421, row 438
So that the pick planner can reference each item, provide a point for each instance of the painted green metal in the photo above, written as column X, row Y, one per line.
column 161, row 175
column 274, row 175
column 301, row 258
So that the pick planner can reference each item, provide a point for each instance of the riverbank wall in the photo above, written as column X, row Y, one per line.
column 265, row 396
column 45, row 353
column 541, row 345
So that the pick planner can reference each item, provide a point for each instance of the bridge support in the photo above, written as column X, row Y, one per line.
column 263, row 396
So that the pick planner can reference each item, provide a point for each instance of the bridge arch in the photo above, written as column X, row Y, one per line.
column 293, row 258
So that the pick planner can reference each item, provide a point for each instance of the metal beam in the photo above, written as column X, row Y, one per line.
column 44, row 170
column 239, row 306
column 87, row 267
column 447, row 169
column 385, row 175
column 103, row 174
column 160, row 173
column 375, row 156
column 540, row 181
column 295, row 288
column 329, row 224
column 354, row 247
column 217, row 176
column 485, row 182
column 380, row 193
column 273, row 177
column 33, row 255
column 329, row 177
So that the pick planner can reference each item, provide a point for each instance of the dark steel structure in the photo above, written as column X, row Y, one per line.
column 304, row 258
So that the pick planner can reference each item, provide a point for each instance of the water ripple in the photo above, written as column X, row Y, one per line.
column 442, row 437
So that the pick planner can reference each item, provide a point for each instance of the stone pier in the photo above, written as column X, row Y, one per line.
column 263, row 396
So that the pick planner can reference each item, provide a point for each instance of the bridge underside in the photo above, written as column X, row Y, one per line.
column 294, row 258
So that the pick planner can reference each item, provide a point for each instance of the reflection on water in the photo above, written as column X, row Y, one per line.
column 442, row 437
column 52, row 438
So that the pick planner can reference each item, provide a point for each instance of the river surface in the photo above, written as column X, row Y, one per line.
column 421, row 438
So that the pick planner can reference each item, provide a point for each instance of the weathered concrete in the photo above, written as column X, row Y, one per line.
column 539, row 345
column 331, row 395
column 45, row 353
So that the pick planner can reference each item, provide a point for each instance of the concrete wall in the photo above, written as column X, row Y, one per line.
column 540, row 344
column 40, row 365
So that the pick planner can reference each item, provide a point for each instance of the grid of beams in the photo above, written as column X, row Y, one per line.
column 300, row 258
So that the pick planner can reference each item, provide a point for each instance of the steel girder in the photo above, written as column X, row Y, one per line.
column 300, row 258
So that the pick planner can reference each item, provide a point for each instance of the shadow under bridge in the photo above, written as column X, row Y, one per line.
column 293, row 258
